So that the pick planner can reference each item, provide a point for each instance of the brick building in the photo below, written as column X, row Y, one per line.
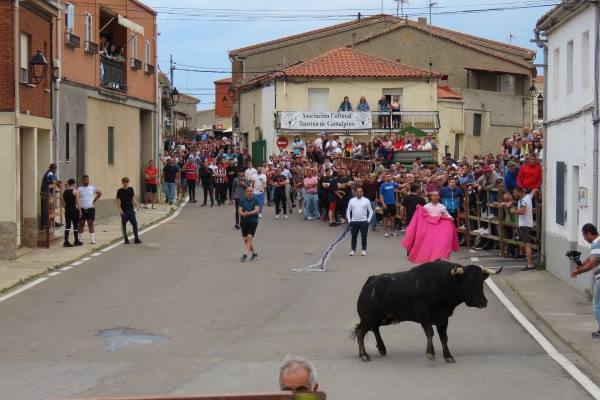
column 27, row 29
column 107, row 122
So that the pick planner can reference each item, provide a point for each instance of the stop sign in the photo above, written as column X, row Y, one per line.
column 282, row 142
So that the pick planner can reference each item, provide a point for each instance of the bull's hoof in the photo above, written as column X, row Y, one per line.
column 450, row 360
column 365, row 357
column 382, row 351
column 430, row 357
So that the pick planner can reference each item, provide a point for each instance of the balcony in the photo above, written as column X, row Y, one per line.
column 149, row 69
column 113, row 75
column 90, row 47
column 72, row 40
column 427, row 121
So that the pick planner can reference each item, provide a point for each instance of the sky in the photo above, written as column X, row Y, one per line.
column 199, row 33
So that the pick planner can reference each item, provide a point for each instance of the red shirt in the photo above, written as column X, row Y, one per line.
column 152, row 174
column 530, row 176
column 190, row 171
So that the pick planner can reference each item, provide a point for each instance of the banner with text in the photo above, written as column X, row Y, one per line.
column 325, row 120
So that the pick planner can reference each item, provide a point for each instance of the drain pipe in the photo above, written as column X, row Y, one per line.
column 17, row 108
column 57, row 80
column 596, row 114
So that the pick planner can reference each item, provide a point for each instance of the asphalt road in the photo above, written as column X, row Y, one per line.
column 181, row 315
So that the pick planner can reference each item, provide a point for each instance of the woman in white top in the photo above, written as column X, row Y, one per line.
column 434, row 207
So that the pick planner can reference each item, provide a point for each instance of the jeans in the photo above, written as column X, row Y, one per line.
column 207, row 188
column 597, row 302
column 374, row 219
column 355, row 227
column 191, row 185
column 170, row 191
column 129, row 216
column 311, row 205
column 260, row 198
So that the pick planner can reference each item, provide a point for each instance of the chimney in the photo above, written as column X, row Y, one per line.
column 422, row 20
column 353, row 39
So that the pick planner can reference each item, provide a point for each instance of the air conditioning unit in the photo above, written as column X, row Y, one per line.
column 136, row 64
column 149, row 69
column 90, row 47
column 72, row 40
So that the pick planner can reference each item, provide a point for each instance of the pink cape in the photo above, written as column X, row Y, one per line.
column 429, row 238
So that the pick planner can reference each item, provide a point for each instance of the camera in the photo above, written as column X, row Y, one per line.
column 575, row 256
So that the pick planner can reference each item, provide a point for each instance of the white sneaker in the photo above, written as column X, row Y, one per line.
column 395, row 233
column 351, row 254
column 386, row 235
column 285, row 217
column 260, row 216
column 363, row 253
column 309, row 218
column 277, row 217
column 300, row 211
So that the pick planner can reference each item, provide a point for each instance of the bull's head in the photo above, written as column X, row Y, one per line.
column 471, row 279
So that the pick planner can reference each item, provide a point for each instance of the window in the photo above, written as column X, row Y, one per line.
column 134, row 46
column 25, row 54
column 147, row 59
column 67, row 143
column 88, row 28
column 561, row 175
column 69, row 17
column 508, row 84
column 111, row 145
column 318, row 99
column 585, row 60
column 556, row 73
column 570, row 66
column 476, row 124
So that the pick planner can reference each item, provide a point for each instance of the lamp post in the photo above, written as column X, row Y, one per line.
column 174, row 97
column 533, row 93
column 38, row 66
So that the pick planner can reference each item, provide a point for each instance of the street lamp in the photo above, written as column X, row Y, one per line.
column 533, row 92
column 38, row 67
column 174, row 97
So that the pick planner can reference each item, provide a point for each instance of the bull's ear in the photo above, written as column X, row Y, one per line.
column 457, row 270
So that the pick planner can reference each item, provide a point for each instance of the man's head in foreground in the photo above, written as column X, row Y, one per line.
column 297, row 375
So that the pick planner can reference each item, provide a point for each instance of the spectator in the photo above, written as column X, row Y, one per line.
column 88, row 196
column 206, row 178
column 170, row 176
column 530, row 174
column 345, row 105
column 259, row 184
column 220, row 179
column 357, row 150
column 311, row 198
column 396, row 118
column 127, row 204
column 359, row 214
column 70, row 202
column 297, row 375
column 387, row 192
column 410, row 203
column 510, row 176
column 525, row 211
column 50, row 178
column 298, row 146
column 384, row 108
column 151, row 176
column 248, row 210
column 362, row 106
column 191, row 176
column 452, row 198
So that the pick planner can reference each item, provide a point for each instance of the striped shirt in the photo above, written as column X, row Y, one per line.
column 223, row 173
column 595, row 252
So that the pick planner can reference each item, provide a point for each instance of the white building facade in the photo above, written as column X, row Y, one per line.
column 568, row 35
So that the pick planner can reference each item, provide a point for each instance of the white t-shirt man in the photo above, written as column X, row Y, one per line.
column 249, row 173
column 259, row 181
column 359, row 210
column 527, row 218
column 86, row 196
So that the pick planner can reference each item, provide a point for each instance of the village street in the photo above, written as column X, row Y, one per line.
column 180, row 314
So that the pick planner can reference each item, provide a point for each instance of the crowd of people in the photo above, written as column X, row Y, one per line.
column 316, row 179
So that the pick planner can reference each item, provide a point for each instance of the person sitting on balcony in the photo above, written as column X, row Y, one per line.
column 362, row 106
column 384, row 107
column 396, row 119
column 345, row 105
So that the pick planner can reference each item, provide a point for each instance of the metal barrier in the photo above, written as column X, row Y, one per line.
column 113, row 76
column 358, row 167
column 259, row 396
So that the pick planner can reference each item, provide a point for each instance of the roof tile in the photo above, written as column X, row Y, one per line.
column 446, row 93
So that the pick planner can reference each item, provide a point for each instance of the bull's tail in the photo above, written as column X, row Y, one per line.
column 354, row 333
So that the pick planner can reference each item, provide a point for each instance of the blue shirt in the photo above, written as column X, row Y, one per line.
column 362, row 107
column 387, row 190
column 248, row 205
column 467, row 179
column 451, row 198
column 510, row 180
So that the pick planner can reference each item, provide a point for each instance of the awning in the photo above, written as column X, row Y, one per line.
column 228, row 130
column 129, row 24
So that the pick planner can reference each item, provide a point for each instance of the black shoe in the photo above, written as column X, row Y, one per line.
column 203, row 205
column 78, row 243
column 244, row 258
column 67, row 244
column 237, row 226
column 126, row 241
column 254, row 257
column 527, row 268
column 137, row 241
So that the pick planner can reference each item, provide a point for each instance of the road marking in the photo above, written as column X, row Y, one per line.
column 65, row 268
column 567, row 365
column 76, row 263
column 474, row 259
column 321, row 265
column 86, row 259
column 54, row 273
column 22, row 289
column 96, row 254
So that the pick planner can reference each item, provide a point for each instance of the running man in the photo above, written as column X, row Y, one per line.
column 248, row 210
column 387, row 192
column 359, row 214
column 125, row 204
column 88, row 196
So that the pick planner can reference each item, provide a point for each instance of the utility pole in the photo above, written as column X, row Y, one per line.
column 171, row 86
column 431, row 4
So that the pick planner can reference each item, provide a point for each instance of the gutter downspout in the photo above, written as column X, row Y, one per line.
column 542, row 44
column 596, row 114
column 56, row 103
column 19, row 211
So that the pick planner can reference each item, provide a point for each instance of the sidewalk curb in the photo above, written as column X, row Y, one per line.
column 93, row 250
column 549, row 326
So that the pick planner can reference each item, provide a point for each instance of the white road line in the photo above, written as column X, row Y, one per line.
column 86, row 259
column 76, row 263
column 96, row 254
column 568, row 366
column 65, row 268
column 474, row 259
column 54, row 273
column 22, row 289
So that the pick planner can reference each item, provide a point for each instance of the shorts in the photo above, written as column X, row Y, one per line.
column 150, row 187
column 332, row 206
column 525, row 234
column 248, row 228
column 389, row 210
column 88, row 214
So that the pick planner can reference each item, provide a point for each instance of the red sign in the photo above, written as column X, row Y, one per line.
column 282, row 142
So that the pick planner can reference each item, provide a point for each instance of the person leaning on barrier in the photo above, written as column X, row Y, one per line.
column 590, row 234
column 297, row 375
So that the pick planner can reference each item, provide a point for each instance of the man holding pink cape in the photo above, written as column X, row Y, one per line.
column 431, row 234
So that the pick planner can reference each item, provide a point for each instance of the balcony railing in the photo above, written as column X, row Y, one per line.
column 423, row 120
column 113, row 75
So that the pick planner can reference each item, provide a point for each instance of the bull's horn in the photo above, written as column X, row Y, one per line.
column 490, row 271
column 457, row 270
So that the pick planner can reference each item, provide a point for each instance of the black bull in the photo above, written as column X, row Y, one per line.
column 426, row 294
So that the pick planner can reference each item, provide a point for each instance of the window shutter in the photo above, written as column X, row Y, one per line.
column 560, row 192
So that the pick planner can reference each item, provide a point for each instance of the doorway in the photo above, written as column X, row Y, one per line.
column 80, row 151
